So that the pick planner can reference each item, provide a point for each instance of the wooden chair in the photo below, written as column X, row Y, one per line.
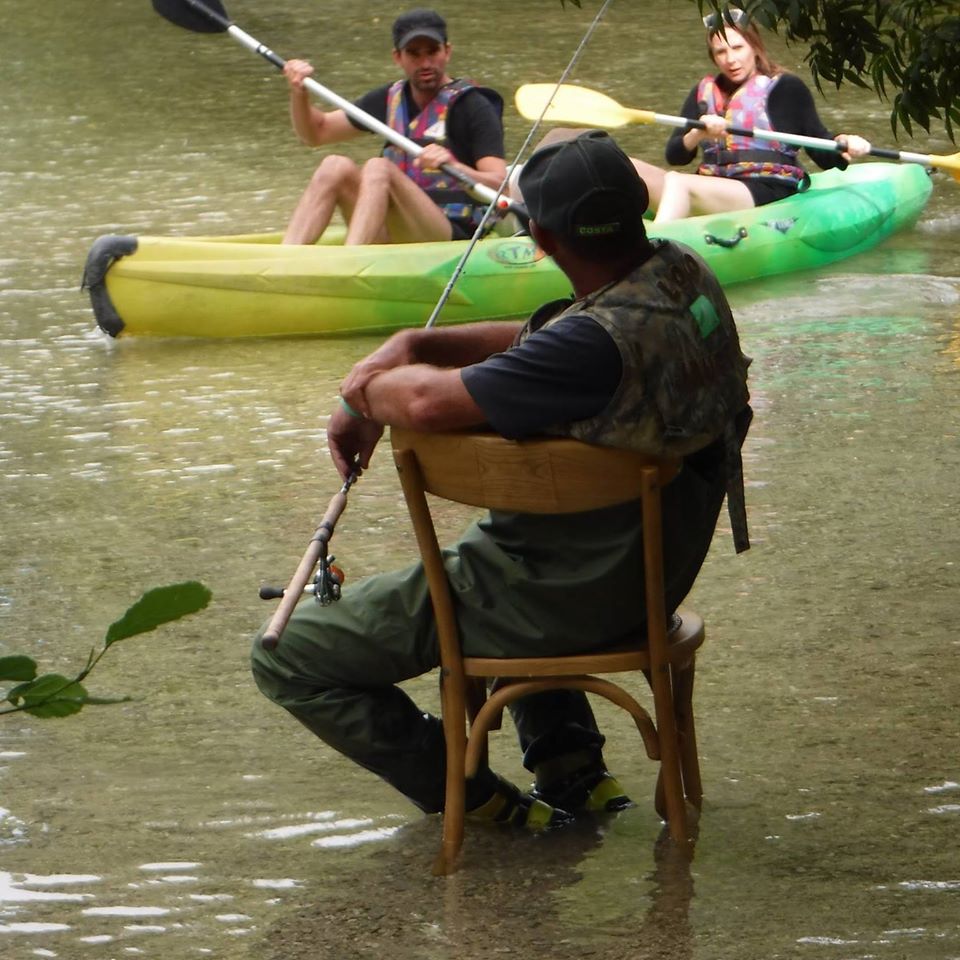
column 552, row 476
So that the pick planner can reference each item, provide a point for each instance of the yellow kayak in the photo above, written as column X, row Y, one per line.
column 252, row 286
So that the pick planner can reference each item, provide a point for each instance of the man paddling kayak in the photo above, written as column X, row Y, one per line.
column 647, row 357
column 393, row 198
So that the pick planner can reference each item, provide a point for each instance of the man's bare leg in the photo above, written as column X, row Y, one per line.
column 390, row 207
column 334, row 184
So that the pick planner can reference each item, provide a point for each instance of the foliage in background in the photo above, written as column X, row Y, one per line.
column 54, row 695
column 907, row 50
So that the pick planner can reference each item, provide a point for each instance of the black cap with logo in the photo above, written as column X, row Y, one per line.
column 585, row 187
column 418, row 23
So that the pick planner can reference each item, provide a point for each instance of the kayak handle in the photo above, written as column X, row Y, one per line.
column 731, row 242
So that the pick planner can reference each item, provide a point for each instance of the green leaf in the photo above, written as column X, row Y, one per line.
column 158, row 606
column 17, row 667
column 51, row 695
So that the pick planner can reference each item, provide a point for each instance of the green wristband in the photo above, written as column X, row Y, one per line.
column 353, row 413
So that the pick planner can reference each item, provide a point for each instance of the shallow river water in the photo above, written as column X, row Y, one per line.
column 196, row 819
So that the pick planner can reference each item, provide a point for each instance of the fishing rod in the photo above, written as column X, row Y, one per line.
column 525, row 219
column 315, row 573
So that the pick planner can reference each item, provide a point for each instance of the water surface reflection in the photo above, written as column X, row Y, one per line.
column 197, row 821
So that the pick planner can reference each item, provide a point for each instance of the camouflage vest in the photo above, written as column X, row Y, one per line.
column 684, row 376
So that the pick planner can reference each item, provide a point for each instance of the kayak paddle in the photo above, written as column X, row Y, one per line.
column 209, row 16
column 571, row 104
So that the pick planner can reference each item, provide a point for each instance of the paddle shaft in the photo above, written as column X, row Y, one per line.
column 305, row 571
column 569, row 103
column 796, row 139
column 480, row 190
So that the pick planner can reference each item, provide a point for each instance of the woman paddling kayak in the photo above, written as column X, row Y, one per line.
column 748, row 91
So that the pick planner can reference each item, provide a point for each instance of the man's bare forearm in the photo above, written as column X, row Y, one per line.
column 422, row 397
column 460, row 346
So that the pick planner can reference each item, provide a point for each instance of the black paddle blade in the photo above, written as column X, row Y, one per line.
column 200, row 17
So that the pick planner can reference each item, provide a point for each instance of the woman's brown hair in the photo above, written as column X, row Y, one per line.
column 749, row 33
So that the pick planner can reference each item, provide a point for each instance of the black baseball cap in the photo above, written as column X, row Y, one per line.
column 585, row 188
column 418, row 23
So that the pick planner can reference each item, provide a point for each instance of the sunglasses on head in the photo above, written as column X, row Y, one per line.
column 733, row 16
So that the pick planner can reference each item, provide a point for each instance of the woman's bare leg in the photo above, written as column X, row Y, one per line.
column 687, row 194
column 652, row 176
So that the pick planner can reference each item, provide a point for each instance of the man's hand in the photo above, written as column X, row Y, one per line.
column 352, row 441
column 296, row 71
column 395, row 352
column 433, row 157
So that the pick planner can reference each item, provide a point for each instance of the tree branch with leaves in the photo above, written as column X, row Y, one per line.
column 904, row 50
column 54, row 695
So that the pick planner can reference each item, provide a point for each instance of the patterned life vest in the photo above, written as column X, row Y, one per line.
column 430, row 126
column 737, row 156
column 684, row 376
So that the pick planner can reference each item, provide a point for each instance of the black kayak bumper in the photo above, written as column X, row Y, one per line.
column 106, row 250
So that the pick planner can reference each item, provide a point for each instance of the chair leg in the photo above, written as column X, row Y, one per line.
column 659, row 797
column 687, row 734
column 448, row 857
column 668, row 795
column 454, row 804
column 454, row 715
column 475, row 693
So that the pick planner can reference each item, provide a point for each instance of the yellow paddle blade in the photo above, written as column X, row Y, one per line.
column 578, row 105
column 949, row 163
column 584, row 107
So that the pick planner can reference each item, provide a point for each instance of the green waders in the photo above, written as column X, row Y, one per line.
column 523, row 585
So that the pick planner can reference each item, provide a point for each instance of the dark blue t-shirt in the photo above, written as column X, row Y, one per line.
column 567, row 372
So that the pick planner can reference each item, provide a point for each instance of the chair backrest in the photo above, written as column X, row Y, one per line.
column 530, row 476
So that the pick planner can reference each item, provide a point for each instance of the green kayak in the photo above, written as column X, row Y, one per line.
column 252, row 286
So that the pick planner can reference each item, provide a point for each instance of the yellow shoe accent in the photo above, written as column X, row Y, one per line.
column 508, row 805
column 607, row 796
column 492, row 809
column 541, row 816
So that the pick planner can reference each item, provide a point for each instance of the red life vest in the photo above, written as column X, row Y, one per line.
column 430, row 126
column 737, row 156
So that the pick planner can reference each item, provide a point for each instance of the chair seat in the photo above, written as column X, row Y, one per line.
column 682, row 644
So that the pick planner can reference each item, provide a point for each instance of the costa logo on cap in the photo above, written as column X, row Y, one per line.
column 586, row 187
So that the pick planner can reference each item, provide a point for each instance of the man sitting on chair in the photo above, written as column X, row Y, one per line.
column 646, row 357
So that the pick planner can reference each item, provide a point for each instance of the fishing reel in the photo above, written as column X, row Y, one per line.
column 325, row 586
column 327, row 582
column 327, row 579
